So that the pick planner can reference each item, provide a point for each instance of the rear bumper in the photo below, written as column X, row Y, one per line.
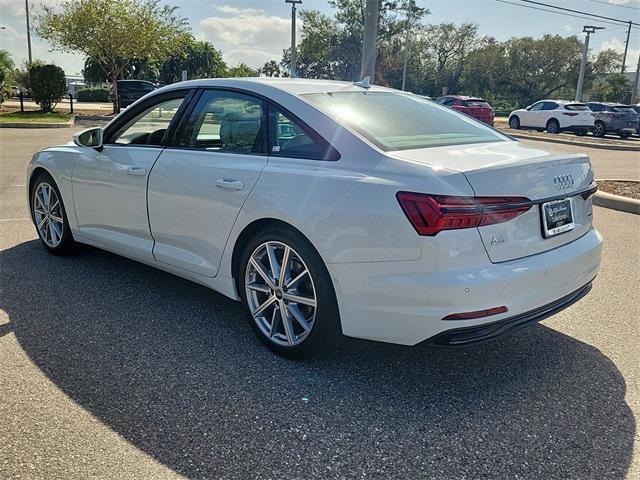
column 405, row 302
column 471, row 335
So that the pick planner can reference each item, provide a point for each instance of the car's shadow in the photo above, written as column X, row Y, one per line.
column 174, row 368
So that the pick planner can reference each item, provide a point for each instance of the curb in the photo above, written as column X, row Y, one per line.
column 625, row 148
column 35, row 125
column 616, row 202
column 93, row 118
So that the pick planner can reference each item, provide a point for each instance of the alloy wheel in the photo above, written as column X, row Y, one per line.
column 47, row 212
column 599, row 130
column 280, row 293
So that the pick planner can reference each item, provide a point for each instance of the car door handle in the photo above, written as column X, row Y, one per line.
column 230, row 184
column 137, row 171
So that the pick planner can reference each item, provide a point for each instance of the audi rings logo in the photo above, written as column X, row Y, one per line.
column 562, row 182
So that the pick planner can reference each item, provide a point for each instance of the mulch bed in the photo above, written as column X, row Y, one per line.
column 624, row 189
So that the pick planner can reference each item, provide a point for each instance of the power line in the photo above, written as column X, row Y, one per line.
column 557, row 13
column 614, row 4
column 578, row 11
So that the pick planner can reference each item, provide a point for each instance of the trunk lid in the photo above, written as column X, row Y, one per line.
column 510, row 169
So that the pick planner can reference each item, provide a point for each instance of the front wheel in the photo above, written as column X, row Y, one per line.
column 50, row 217
column 288, row 294
column 514, row 123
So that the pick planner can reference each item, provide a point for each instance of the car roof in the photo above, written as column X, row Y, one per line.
column 463, row 97
column 295, row 86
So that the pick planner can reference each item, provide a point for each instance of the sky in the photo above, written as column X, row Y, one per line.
column 255, row 31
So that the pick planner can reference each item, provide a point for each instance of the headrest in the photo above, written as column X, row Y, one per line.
column 238, row 130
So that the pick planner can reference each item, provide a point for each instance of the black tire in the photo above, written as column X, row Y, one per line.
column 553, row 126
column 326, row 332
column 514, row 123
column 67, row 244
column 599, row 129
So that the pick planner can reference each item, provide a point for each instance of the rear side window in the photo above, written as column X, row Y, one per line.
column 291, row 138
column 225, row 122
column 624, row 109
column 577, row 107
column 549, row 106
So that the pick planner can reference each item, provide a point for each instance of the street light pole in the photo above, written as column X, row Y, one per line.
column 588, row 29
column 26, row 6
column 369, row 44
column 626, row 47
column 634, row 92
column 292, row 71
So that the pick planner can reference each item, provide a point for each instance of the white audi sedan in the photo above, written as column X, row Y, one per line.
column 328, row 209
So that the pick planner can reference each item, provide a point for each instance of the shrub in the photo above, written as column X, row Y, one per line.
column 48, row 85
column 93, row 95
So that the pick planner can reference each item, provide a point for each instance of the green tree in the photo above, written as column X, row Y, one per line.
column 48, row 85
column 242, row 70
column 114, row 32
column 615, row 87
column 6, row 70
column 272, row 69
column 200, row 59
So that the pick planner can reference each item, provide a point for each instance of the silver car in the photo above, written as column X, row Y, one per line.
column 614, row 118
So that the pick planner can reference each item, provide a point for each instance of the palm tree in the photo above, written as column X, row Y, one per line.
column 6, row 63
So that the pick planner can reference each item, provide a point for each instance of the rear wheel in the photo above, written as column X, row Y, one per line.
column 514, row 122
column 288, row 294
column 553, row 126
column 50, row 217
column 599, row 129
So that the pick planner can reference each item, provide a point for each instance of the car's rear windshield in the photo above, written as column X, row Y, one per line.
column 624, row 109
column 398, row 121
column 576, row 106
column 475, row 103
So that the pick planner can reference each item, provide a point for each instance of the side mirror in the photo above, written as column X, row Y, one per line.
column 528, row 108
column 90, row 138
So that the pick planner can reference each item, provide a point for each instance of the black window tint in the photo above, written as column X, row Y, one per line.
column 549, row 106
column 225, row 122
column 290, row 138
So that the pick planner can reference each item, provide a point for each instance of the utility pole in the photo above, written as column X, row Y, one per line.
column 626, row 47
column 26, row 6
column 588, row 29
column 634, row 92
column 407, row 44
column 369, row 41
column 292, row 70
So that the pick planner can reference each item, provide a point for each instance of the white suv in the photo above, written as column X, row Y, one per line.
column 554, row 116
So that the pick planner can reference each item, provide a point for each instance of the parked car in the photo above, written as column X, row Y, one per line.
column 613, row 118
column 637, row 110
column 131, row 90
column 474, row 107
column 554, row 116
column 328, row 208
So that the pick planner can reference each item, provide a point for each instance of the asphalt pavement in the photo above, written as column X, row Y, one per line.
column 112, row 369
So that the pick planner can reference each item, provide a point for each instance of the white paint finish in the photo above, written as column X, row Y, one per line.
column 190, row 215
column 110, row 202
column 405, row 302
column 391, row 284
column 566, row 118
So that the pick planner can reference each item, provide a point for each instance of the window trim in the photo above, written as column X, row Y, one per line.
column 331, row 154
column 121, row 121
column 198, row 91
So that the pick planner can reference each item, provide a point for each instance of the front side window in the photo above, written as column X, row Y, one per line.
column 225, row 122
column 289, row 138
column 398, row 121
column 150, row 126
column 536, row 106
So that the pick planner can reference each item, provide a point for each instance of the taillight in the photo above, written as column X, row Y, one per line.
column 430, row 214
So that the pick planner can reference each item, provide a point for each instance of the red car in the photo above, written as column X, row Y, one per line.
column 472, row 106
